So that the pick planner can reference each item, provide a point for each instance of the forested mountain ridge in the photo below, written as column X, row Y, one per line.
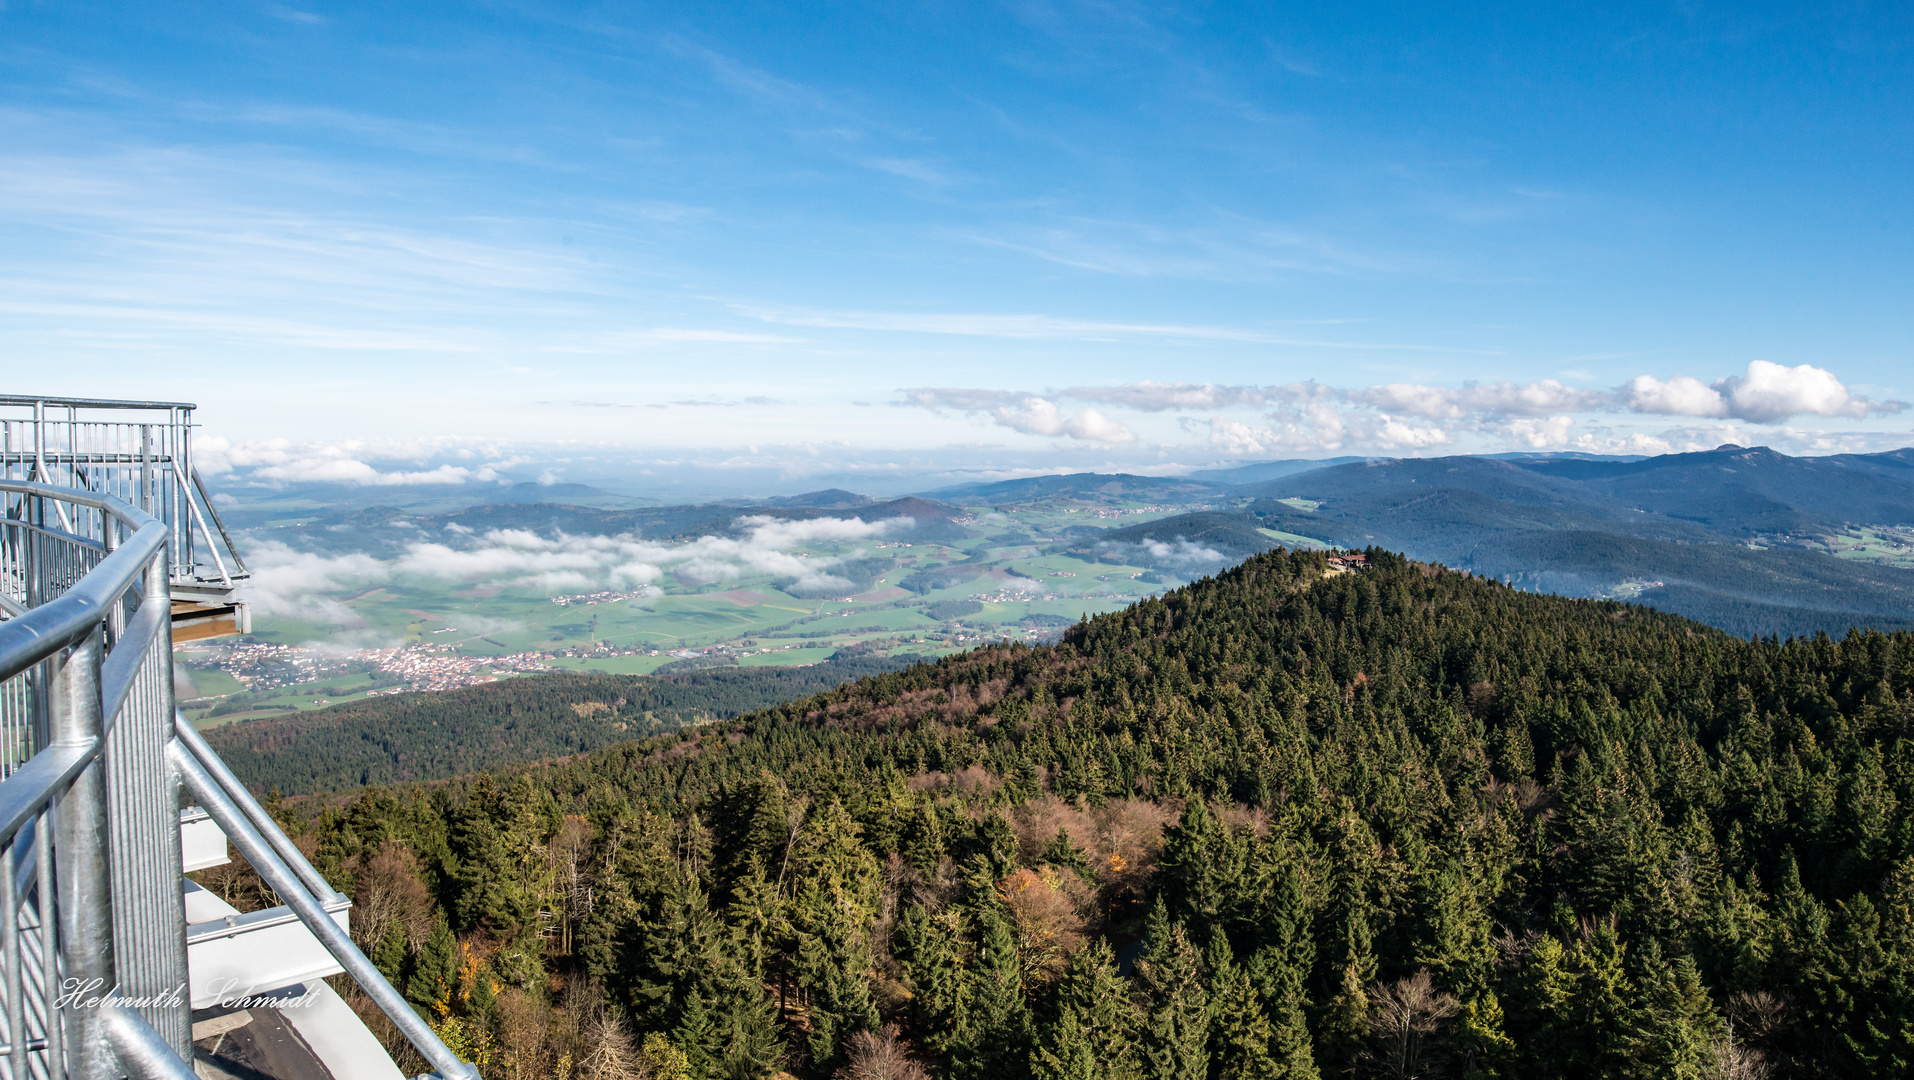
column 437, row 734
column 1391, row 822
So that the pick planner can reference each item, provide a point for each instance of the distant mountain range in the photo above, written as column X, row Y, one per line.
column 1737, row 537
column 1731, row 536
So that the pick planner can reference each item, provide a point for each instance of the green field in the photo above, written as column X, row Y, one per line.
column 1875, row 543
column 1027, row 585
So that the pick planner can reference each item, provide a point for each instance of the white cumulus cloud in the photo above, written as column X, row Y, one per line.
column 1766, row 393
column 1028, row 413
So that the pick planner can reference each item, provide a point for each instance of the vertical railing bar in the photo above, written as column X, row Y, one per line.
column 51, row 1023
column 10, row 950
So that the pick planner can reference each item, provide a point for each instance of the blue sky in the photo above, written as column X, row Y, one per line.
column 1036, row 235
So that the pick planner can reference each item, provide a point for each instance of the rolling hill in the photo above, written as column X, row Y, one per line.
column 430, row 736
column 1277, row 823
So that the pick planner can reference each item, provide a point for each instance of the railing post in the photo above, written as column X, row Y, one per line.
column 149, row 914
column 85, row 917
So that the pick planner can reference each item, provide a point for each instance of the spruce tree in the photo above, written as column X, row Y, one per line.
column 1279, row 970
column 1604, row 1003
column 435, row 971
column 1545, row 991
column 1345, row 1020
column 745, row 1042
column 833, row 964
column 1674, row 1029
column 1175, row 1001
column 1240, row 1032
column 679, row 960
column 995, row 1027
column 929, row 949
column 1482, row 1044
column 695, row 1033
column 1094, row 1035
column 389, row 954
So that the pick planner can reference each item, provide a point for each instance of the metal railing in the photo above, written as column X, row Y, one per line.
column 140, row 452
column 93, row 758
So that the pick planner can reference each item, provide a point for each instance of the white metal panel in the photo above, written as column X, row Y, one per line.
column 201, row 842
column 232, row 958
column 337, row 1036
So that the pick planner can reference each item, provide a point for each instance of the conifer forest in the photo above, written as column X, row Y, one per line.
column 1286, row 822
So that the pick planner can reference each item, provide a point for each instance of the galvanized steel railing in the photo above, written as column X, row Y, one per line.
column 140, row 452
column 93, row 960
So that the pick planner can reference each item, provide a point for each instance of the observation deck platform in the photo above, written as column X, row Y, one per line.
column 110, row 551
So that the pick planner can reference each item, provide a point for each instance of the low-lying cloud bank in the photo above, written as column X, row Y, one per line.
column 295, row 583
column 350, row 461
column 1180, row 556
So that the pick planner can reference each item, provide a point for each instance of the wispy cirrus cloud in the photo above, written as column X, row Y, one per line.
column 1055, row 328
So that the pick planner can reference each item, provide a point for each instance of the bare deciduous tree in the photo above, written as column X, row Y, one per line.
column 880, row 1057
column 1047, row 910
column 612, row 1056
column 390, row 890
column 1405, row 1024
column 1735, row 1061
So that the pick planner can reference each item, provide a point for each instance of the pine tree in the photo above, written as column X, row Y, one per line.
column 1175, row 1002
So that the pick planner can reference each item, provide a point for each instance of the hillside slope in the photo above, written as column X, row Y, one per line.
column 429, row 736
column 1398, row 820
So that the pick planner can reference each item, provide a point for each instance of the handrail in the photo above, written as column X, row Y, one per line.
column 234, row 810
column 41, row 631
column 141, row 1049
column 262, row 822
column 45, row 775
column 89, row 403
column 139, row 450
column 78, row 814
